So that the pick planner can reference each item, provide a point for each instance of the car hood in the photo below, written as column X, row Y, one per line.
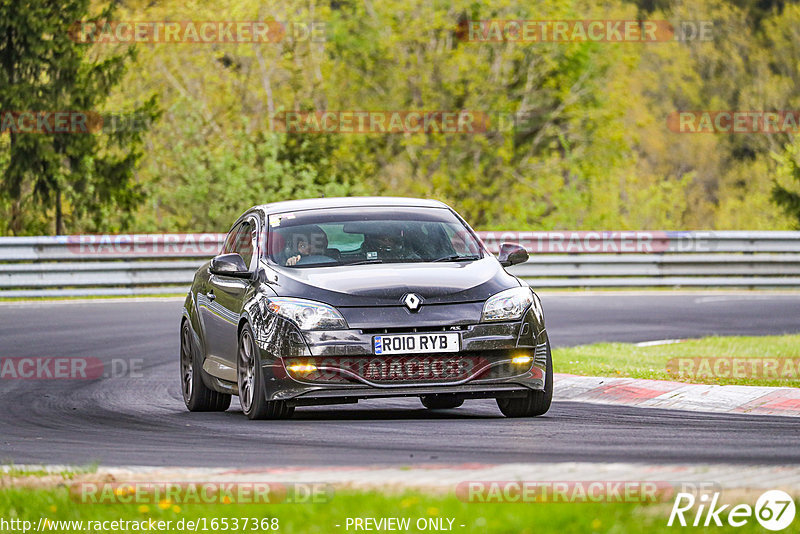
column 386, row 284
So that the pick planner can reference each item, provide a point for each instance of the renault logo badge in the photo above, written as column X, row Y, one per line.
column 412, row 302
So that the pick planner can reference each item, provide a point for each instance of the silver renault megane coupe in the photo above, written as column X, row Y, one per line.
column 335, row 300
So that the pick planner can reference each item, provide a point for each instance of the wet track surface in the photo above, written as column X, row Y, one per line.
column 141, row 420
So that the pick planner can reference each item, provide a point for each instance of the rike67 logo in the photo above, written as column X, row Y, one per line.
column 774, row 510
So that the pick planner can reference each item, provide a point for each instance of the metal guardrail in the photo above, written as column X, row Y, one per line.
column 165, row 263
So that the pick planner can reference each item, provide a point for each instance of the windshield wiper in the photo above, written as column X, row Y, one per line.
column 456, row 257
column 363, row 262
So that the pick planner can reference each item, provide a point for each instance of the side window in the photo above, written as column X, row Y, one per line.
column 243, row 242
column 228, row 245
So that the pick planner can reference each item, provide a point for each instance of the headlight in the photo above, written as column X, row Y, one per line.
column 507, row 305
column 307, row 314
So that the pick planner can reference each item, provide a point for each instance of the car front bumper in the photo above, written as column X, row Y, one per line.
column 345, row 363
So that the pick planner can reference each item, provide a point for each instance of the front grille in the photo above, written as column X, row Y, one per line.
column 406, row 369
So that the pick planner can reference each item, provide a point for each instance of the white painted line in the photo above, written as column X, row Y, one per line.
column 659, row 342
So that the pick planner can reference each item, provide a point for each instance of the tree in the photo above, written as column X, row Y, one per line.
column 590, row 146
column 44, row 70
column 788, row 169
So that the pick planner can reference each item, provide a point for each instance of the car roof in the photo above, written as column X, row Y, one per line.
column 346, row 202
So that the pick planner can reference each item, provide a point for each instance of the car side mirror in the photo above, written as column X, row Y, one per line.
column 229, row 265
column 512, row 254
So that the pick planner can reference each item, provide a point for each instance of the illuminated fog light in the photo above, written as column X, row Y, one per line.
column 521, row 360
column 302, row 368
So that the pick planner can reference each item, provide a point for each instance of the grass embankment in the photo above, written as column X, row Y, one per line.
column 733, row 360
column 57, row 504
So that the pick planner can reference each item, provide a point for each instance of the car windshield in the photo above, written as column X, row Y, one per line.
column 349, row 236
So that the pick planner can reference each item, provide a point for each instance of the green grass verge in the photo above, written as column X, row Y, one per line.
column 625, row 359
column 11, row 471
column 541, row 518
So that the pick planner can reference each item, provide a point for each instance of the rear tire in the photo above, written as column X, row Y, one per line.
column 252, row 394
column 535, row 403
column 441, row 402
column 196, row 395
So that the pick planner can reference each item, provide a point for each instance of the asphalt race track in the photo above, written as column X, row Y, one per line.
column 140, row 419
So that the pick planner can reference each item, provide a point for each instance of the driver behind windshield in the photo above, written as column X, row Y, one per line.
column 308, row 246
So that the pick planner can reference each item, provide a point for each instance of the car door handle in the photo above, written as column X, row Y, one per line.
column 210, row 295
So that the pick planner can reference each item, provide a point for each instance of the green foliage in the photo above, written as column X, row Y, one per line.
column 578, row 138
column 788, row 199
column 247, row 169
column 77, row 177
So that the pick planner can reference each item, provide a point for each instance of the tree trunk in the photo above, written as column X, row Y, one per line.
column 59, row 221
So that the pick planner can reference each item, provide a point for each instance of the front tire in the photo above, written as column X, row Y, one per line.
column 252, row 394
column 535, row 403
column 196, row 395
column 441, row 402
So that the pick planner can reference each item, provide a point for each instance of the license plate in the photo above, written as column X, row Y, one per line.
column 416, row 343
